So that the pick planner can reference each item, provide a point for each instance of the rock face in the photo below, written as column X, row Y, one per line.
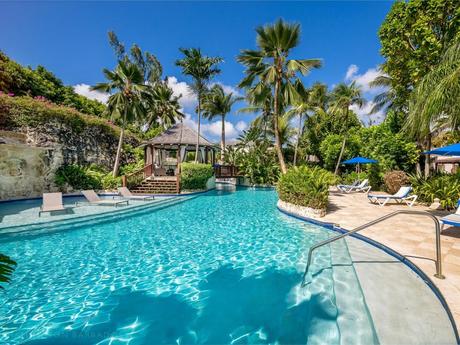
column 27, row 171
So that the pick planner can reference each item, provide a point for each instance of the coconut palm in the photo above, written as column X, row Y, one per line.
column 162, row 106
column 126, row 86
column 201, row 69
column 217, row 103
column 387, row 98
column 270, row 66
column 342, row 98
column 7, row 266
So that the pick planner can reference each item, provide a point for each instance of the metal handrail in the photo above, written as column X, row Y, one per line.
column 378, row 220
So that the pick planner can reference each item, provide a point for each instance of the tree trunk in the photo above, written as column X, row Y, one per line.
column 340, row 155
column 427, row 157
column 278, row 148
column 117, row 157
column 198, row 129
column 222, row 140
column 299, row 134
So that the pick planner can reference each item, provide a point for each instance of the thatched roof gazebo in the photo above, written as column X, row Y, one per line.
column 165, row 152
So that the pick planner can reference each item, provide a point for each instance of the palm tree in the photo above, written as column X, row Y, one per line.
column 162, row 106
column 201, row 69
column 270, row 66
column 387, row 98
column 342, row 98
column 217, row 103
column 126, row 104
column 7, row 266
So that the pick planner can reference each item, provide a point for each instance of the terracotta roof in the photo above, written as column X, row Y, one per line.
column 179, row 134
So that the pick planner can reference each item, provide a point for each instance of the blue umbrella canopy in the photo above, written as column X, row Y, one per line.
column 449, row 150
column 360, row 160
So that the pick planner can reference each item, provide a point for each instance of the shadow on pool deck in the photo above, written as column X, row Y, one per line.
column 256, row 307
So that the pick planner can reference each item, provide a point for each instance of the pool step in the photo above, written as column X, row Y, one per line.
column 355, row 323
column 156, row 187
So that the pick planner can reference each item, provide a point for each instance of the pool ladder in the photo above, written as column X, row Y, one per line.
column 375, row 221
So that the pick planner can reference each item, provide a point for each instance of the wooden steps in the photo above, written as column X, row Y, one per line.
column 156, row 187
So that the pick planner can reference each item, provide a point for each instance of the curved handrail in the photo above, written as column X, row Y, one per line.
column 378, row 220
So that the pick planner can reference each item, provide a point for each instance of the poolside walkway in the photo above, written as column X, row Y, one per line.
column 410, row 235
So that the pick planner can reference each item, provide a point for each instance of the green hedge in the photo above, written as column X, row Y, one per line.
column 306, row 186
column 195, row 175
column 444, row 187
column 81, row 178
column 26, row 111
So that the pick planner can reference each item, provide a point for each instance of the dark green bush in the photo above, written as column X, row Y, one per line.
column 195, row 175
column 444, row 187
column 90, row 177
column 306, row 186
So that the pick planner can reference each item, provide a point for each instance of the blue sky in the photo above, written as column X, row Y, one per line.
column 70, row 39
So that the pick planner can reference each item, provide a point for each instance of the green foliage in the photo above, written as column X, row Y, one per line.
column 259, row 163
column 22, row 81
column 392, row 151
column 394, row 180
column 413, row 36
column 444, row 187
column 195, row 175
column 81, row 178
column 331, row 145
column 25, row 111
column 7, row 266
column 306, row 186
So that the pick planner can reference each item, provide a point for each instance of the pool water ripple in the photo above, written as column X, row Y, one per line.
column 220, row 268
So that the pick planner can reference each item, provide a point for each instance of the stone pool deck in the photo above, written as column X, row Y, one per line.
column 410, row 235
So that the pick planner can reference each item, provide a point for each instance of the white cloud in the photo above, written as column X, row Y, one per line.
column 364, row 113
column 212, row 130
column 351, row 71
column 84, row 90
column 364, row 79
column 181, row 88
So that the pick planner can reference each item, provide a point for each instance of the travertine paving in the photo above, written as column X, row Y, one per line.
column 411, row 235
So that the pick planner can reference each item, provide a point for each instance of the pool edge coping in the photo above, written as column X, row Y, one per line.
column 404, row 260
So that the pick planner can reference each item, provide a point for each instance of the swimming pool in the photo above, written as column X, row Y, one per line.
column 223, row 267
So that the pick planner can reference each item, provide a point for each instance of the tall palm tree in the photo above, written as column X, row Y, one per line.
column 217, row 103
column 387, row 98
column 162, row 106
column 342, row 98
column 201, row 69
column 270, row 66
column 126, row 86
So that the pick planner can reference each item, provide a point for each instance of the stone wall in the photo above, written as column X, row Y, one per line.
column 27, row 171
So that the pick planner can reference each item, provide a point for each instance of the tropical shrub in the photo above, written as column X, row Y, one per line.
column 259, row 163
column 81, row 178
column 306, row 186
column 352, row 176
column 195, row 175
column 444, row 187
column 394, row 180
column 7, row 267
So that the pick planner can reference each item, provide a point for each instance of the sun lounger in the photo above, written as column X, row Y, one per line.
column 52, row 202
column 452, row 219
column 402, row 195
column 126, row 193
column 94, row 199
column 361, row 187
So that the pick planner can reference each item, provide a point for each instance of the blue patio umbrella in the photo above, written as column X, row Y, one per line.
column 449, row 150
column 358, row 161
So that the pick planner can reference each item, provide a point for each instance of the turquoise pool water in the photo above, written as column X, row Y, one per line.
column 219, row 268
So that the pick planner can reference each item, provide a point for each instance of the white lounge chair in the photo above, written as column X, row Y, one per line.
column 361, row 187
column 94, row 199
column 452, row 219
column 402, row 195
column 52, row 202
column 126, row 193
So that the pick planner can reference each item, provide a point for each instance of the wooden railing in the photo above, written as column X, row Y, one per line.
column 226, row 171
column 137, row 177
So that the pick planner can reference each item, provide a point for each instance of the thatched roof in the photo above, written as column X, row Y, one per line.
column 179, row 134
